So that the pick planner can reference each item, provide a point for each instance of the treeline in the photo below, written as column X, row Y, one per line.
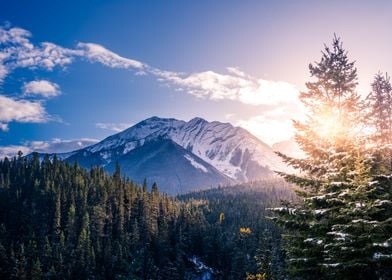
column 239, row 241
column 60, row 221
column 342, row 228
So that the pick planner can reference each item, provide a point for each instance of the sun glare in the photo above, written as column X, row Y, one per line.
column 330, row 126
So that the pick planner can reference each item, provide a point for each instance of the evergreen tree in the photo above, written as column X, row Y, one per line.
column 36, row 273
column 331, row 233
column 379, row 120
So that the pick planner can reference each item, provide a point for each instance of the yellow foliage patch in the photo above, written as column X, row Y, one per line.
column 221, row 217
column 245, row 230
column 257, row 276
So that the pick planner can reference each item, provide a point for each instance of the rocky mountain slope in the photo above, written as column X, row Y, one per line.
column 182, row 155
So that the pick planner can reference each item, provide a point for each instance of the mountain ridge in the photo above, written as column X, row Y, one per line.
column 235, row 153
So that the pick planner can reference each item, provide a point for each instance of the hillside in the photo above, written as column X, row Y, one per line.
column 60, row 221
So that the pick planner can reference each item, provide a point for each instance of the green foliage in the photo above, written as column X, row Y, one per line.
column 245, row 242
column 60, row 221
column 341, row 228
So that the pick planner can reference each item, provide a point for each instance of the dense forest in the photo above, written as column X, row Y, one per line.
column 240, row 240
column 60, row 221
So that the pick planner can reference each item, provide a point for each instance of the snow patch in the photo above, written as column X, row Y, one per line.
column 339, row 235
column 331, row 264
column 196, row 164
column 385, row 244
column 321, row 211
column 129, row 147
column 378, row 256
column 314, row 240
column 299, row 260
column 379, row 202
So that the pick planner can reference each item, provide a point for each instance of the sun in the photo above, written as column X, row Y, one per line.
column 330, row 125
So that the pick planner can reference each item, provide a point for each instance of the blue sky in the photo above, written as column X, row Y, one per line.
column 109, row 64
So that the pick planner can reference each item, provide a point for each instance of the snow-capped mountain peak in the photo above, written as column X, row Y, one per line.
column 232, row 150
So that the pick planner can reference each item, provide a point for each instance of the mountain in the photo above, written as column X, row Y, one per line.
column 290, row 148
column 181, row 155
column 164, row 161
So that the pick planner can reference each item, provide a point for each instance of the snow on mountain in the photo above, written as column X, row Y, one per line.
column 196, row 164
column 172, row 167
column 232, row 150
column 183, row 156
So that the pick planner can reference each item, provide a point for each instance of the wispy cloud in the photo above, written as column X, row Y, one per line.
column 233, row 85
column 274, row 125
column 17, row 51
column 3, row 72
column 270, row 130
column 58, row 145
column 55, row 145
column 20, row 111
column 41, row 88
column 11, row 151
column 117, row 127
column 98, row 53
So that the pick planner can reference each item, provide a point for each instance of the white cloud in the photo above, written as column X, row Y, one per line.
column 3, row 72
column 289, row 147
column 16, row 51
column 237, row 71
column 229, row 116
column 274, row 125
column 55, row 145
column 117, row 127
column 4, row 126
column 20, row 111
column 43, row 88
column 98, row 53
column 268, row 130
column 15, row 35
column 11, row 151
column 235, row 85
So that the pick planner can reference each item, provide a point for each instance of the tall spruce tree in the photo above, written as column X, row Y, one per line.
column 379, row 121
column 332, row 233
column 379, row 191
